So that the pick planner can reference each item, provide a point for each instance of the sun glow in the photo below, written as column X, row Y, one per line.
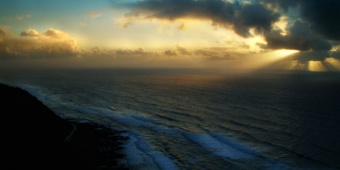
column 284, row 52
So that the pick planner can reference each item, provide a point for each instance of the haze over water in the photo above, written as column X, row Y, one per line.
column 202, row 119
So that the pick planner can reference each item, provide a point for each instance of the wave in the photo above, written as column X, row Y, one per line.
column 139, row 155
column 223, row 146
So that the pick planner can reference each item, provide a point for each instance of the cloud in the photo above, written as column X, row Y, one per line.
column 181, row 50
column 335, row 54
column 305, row 56
column 241, row 17
column 326, row 20
column 124, row 22
column 93, row 14
column 30, row 32
column 315, row 30
column 131, row 52
column 323, row 16
column 207, row 52
column 170, row 53
column 253, row 16
column 21, row 17
column 57, row 34
column 224, row 57
column 215, row 54
column 2, row 35
column 32, row 44
column 312, row 25
column 299, row 37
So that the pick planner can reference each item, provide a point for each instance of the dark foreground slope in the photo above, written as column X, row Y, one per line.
column 32, row 136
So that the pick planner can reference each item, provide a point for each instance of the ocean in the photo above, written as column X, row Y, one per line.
column 202, row 119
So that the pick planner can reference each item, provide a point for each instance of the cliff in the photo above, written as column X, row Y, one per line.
column 33, row 136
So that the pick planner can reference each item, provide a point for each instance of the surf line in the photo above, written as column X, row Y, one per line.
column 68, row 137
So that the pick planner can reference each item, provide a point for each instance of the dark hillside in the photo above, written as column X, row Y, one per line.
column 33, row 136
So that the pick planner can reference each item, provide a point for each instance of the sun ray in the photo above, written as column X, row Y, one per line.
column 316, row 66
column 333, row 62
column 269, row 59
column 296, row 65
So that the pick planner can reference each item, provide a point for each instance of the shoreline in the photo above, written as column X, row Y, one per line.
column 34, row 136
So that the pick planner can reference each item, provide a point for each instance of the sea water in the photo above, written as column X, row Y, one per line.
column 202, row 119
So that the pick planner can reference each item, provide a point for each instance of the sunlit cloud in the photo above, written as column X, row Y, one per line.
column 170, row 53
column 56, row 34
column 30, row 32
column 181, row 50
column 32, row 44
column 282, row 25
column 124, row 22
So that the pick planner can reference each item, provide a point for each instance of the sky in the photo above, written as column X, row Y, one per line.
column 226, row 34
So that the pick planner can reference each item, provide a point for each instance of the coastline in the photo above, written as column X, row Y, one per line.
column 34, row 136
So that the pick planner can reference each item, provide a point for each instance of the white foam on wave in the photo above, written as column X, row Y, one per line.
column 279, row 165
column 130, row 119
column 219, row 144
column 38, row 92
column 83, row 109
column 134, row 119
column 139, row 155
column 168, row 131
column 223, row 146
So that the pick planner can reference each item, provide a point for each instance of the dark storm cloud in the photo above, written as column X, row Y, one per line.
column 326, row 20
column 284, row 4
column 253, row 16
column 317, row 26
column 305, row 56
column 313, row 24
column 335, row 54
column 172, row 9
column 240, row 16
column 323, row 15
column 299, row 37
